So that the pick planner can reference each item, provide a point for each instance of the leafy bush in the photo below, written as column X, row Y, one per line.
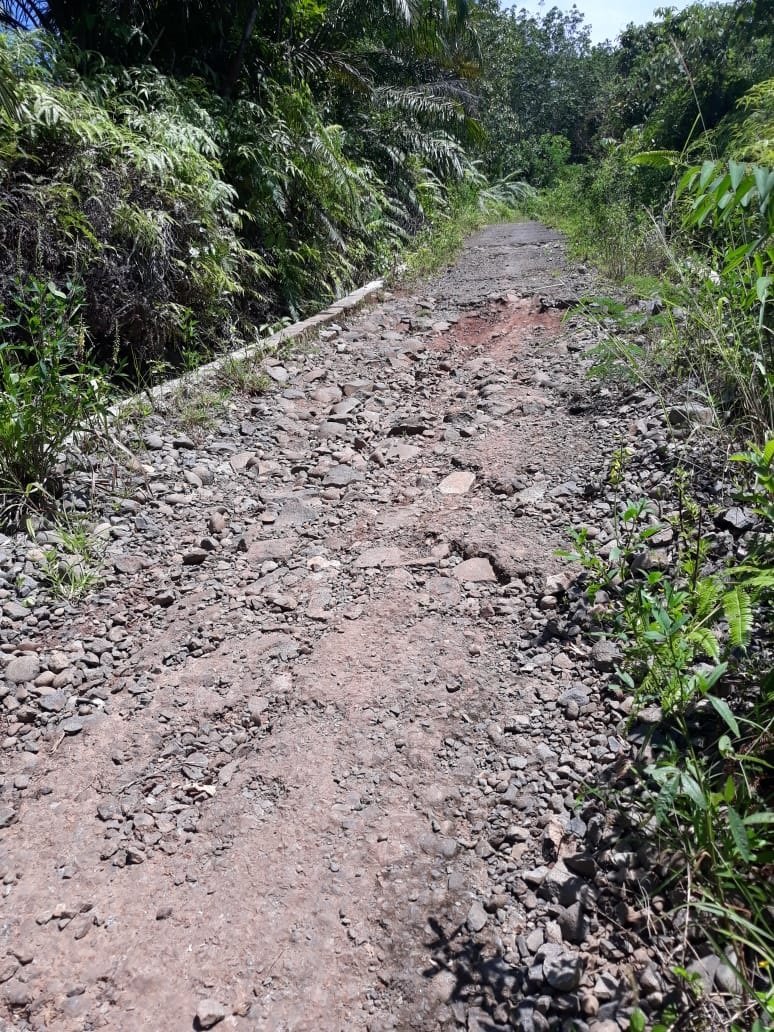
column 48, row 393
column 601, row 208
column 730, row 290
column 115, row 181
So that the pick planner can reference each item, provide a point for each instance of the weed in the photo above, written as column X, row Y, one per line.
column 244, row 375
column 49, row 394
column 73, row 561
column 695, row 642
column 467, row 207
column 197, row 408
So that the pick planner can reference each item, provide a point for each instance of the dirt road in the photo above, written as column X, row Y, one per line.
column 291, row 765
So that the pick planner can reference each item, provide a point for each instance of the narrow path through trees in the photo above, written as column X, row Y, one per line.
column 309, row 758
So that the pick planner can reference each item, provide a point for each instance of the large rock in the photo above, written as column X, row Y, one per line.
column 23, row 668
column 384, row 555
column 563, row 970
column 342, row 476
column 476, row 570
column 690, row 413
column 457, row 483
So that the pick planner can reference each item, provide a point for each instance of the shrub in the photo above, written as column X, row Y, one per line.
column 115, row 181
column 48, row 393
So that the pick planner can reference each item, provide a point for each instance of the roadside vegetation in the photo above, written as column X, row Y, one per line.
column 674, row 203
column 176, row 179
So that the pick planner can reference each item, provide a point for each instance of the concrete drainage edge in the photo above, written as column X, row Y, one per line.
column 265, row 346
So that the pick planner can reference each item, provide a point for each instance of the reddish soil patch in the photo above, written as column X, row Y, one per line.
column 501, row 328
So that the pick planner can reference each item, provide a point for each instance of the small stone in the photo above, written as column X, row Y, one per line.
column 457, row 483
column 576, row 695
column 216, row 524
column 727, row 980
column 153, row 442
column 7, row 816
column 690, row 413
column 706, row 968
column 72, row 726
column 342, row 476
column 382, row 556
column 553, row 833
column 582, row 864
column 605, row 655
column 476, row 917
column 195, row 557
column 649, row 980
column 129, row 564
column 52, row 702
column 209, row 1013
column 256, row 707
column 163, row 913
column 18, row 995
column 737, row 520
column 573, row 924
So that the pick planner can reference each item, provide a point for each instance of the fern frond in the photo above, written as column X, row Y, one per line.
column 737, row 608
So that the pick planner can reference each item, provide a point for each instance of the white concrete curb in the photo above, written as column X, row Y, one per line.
column 264, row 346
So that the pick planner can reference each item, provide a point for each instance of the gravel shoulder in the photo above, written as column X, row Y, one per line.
column 310, row 757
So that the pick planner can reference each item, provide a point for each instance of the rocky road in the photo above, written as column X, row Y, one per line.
column 310, row 755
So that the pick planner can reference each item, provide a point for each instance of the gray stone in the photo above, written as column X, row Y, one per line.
column 209, row 1013
column 690, row 413
column 216, row 523
column 7, row 816
column 582, row 864
column 576, row 695
column 649, row 980
column 563, row 971
column 605, row 655
column 477, row 917
column 195, row 557
column 727, row 980
column 52, row 702
column 476, row 570
column 527, row 1018
column 256, row 707
column 342, row 476
column 23, row 668
column 129, row 564
column 737, row 519
column 573, row 923
column 384, row 556
column 706, row 968
column 72, row 726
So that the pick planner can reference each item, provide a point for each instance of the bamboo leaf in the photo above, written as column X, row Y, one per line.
column 739, row 834
column 723, row 710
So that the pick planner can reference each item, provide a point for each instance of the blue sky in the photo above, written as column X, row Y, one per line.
column 606, row 19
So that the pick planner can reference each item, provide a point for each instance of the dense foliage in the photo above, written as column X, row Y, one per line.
column 203, row 169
